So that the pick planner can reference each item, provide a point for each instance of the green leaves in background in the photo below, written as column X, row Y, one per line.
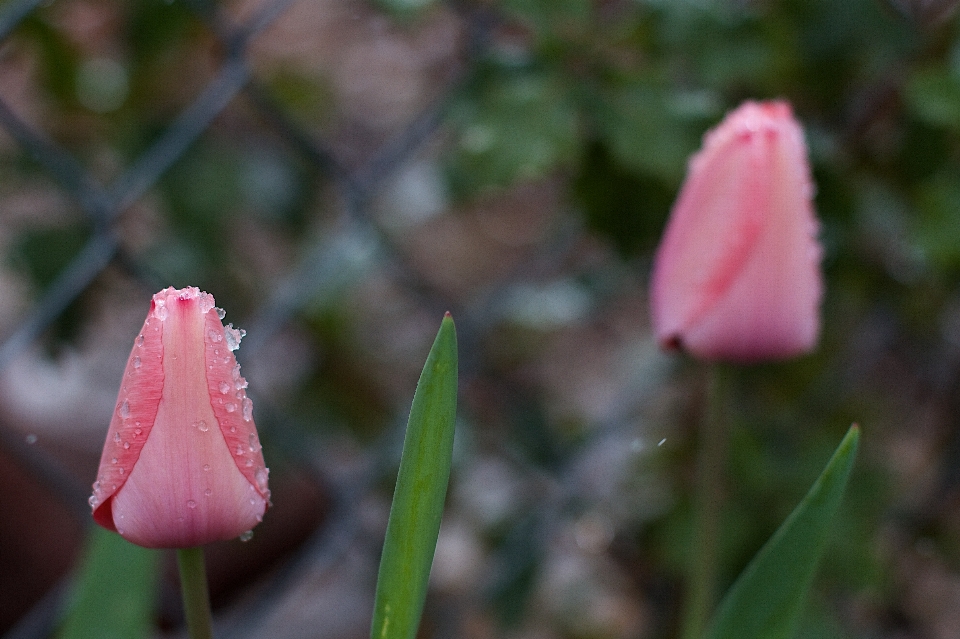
column 515, row 124
column 767, row 599
column 115, row 590
column 418, row 499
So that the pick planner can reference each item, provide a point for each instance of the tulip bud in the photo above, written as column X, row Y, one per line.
column 737, row 274
column 182, row 465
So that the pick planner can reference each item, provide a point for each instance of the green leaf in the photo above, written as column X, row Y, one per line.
column 115, row 592
column 418, row 499
column 768, row 597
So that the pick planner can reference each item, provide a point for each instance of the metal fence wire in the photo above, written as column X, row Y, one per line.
column 354, row 242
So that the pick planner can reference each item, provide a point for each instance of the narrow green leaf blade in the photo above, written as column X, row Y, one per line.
column 766, row 600
column 115, row 592
column 418, row 499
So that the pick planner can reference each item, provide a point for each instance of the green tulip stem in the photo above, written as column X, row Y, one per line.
column 196, row 595
column 708, row 501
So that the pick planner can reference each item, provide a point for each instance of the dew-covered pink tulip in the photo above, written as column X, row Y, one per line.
column 737, row 274
column 182, row 465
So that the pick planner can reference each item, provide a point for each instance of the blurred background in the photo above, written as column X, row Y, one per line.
column 338, row 173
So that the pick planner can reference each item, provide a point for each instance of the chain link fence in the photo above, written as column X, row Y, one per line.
column 347, row 238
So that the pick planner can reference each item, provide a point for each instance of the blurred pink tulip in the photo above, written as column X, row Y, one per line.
column 182, row 465
column 737, row 275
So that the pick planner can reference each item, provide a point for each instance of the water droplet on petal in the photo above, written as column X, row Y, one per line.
column 138, row 431
column 161, row 313
column 239, row 450
column 254, row 444
column 214, row 336
column 208, row 492
column 93, row 501
column 140, row 339
column 206, row 467
column 121, row 470
column 126, row 445
column 125, row 409
column 249, row 463
column 247, row 409
column 233, row 429
column 116, row 438
column 201, row 426
column 30, row 439
column 114, row 460
column 136, row 362
column 230, row 407
column 224, row 388
column 236, row 372
column 261, row 477
column 246, row 536
column 96, row 486
column 233, row 336
column 191, row 504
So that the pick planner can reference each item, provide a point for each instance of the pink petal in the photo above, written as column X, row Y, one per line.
column 737, row 274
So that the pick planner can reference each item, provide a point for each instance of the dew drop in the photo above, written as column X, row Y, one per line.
column 121, row 470
column 30, row 439
column 116, row 438
column 93, row 501
column 208, row 492
column 138, row 431
column 249, row 463
column 201, row 426
column 236, row 372
column 216, row 351
column 126, row 445
column 233, row 336
column 261, row 477
column 96, row 486
column 224, row 388
column 140, row 339
column 136, row 362
column 125, row 409
column 247, row 409
column 239, row 450
column 206, row 467
column 253, row 502
column 246, row 536
column 254, row 444
column 114, row 460
column 214, row 336
column 259, row 518
column 191, row 504
column 233, row 429
column 161, row 313
column 230, row 407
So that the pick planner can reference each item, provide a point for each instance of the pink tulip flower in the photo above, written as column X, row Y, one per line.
column 737, row 274
column 182, row 465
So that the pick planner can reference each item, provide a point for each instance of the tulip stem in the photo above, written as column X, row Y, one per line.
column 708, row 500
column 196, row 595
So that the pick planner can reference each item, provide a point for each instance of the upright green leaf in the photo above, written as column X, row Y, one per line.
column 115, row 592
column 418, row 499
column 767, row 598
